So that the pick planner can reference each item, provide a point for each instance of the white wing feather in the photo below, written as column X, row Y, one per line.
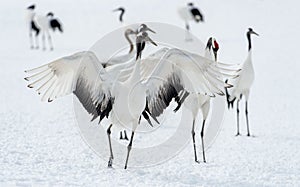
column 78, row 74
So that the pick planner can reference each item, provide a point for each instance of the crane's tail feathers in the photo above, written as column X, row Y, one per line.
column 229, row 99
column 60, row 29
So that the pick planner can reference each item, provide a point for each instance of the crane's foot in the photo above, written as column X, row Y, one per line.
column 109, row 165
column 238, row 134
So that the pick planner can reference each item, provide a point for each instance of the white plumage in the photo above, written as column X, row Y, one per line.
column 243, row 84
column 195, row 102
column 101, row 92
column 190, row 13
column 33, row 29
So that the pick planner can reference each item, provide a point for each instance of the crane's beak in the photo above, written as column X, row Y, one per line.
column 151, row 41
column 252, row 32
column 115, row 10
column 148, row 29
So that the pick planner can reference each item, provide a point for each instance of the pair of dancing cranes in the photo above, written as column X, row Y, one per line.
column 105, row 88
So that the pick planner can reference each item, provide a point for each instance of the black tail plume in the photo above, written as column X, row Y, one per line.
column 229, row 103
column 35, row 28
column 54, row 23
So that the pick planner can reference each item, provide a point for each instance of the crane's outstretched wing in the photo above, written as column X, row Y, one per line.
column 148, row 64
column 78, row 74
column 180, row 70
column 115, row 60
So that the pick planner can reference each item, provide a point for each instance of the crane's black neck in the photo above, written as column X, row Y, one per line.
column 130, row 42
column 209, row 44
column 249, row 41
column 121, row 15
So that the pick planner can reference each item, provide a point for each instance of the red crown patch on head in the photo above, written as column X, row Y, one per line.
column 216, row 44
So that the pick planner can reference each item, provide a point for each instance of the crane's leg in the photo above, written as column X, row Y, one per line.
column 110, row 147
column 246, row 111
column 36, row 41
column 121, row 136
column 187, row 33
column 238, row 117
column 50, row 41
column 43, row 41
column 202, row 140
column 125, row 135
column 194, row 143
column 31, row 40
column 187, row 26
column 129, row 149
column 205, row 110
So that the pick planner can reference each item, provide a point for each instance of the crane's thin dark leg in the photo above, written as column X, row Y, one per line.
column 187, row 37
column 238, row 117
column 110, row 148
column 187, row 26
column 246, row 111
column 202, row 139
column 37, row 45
column 194, row 143
column 44, row 41
column 31, row 40
column 121, row 136
column 50, row 42
column 129, row 149
column 125, row 135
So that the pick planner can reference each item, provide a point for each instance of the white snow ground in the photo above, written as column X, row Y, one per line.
column 40, row 143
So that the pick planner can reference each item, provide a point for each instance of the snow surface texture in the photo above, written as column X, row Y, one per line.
column 40, row 143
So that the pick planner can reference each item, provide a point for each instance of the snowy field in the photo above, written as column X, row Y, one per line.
column 41, row 145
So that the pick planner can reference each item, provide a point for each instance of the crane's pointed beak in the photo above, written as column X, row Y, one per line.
column 252, row 32
column 151, row 41
column 148, row 29
column 115, row 10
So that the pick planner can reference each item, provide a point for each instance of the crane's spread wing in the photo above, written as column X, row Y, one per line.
column 178, row 70
column 78, row 74
column 115, row 60
column 149, row 63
